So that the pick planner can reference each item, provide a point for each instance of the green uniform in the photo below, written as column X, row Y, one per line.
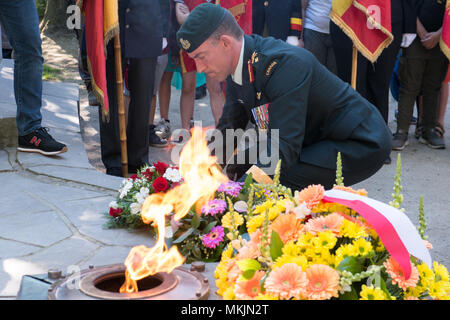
column 318, row 115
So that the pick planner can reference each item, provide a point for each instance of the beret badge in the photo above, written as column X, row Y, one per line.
column 185, row 44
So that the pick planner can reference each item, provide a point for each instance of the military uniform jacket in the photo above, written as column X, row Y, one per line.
column 283, row 18
column 141, row 28
column 314, row 110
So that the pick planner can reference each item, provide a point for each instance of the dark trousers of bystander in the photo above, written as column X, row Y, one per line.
column 420, row 69
column 141, row 76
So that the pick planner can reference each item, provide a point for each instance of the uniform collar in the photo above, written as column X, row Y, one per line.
column 237, row 75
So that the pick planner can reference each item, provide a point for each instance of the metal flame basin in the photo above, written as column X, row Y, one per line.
column 103, row 283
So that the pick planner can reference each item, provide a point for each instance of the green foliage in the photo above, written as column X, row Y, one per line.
column 50, row 73
column 397, row 196
column 422, row 221
column 275, row 246
column 40, row 6
column 339, row 176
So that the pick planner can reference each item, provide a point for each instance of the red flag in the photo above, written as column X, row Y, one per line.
column 101, row 25
column 366, row 22
column 445, row 36
column 241, row 10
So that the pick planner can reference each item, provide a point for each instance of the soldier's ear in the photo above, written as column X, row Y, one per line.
column 226, row 40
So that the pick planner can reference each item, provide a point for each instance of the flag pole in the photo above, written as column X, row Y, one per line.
column 354, row 66
column 121, row 107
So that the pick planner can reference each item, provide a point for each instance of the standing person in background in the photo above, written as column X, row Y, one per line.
column 373, row 80
column 423, row 66
column 141, row 42
column 21, row 23
column 278, row 19
column 316, row 31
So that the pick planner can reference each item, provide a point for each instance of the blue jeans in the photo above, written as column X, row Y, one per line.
column 21, row 22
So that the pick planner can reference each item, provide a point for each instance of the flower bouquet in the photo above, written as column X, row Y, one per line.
column 335, row 244
column 125, row 210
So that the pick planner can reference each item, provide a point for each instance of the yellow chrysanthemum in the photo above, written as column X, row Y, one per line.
column 306, row 240
column 415, row 292
column 440, row 272
column 255, row 222
column 266, row 296
column 301, row 261
column 372, row 293
column 426, row 275
column 439, row 290
column 346, row 250
column 362, row 246
column 291, row 249
column 330, row 207
column 352, row 230
column 232, row 220
column 229, row 293
column 325, row 240
column 222, row 286
column 276, row 210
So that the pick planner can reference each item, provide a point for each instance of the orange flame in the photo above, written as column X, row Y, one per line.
column 202, row 177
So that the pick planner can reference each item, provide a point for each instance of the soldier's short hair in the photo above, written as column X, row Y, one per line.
column 229, row 26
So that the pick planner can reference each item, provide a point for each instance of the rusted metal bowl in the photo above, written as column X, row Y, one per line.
column 103, row 283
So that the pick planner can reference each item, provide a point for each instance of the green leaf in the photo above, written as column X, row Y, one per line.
column 248, row 264
column 384, row 288
column 248, row 181
column 195, row 221
column 352, row 295
column 275, row 245
column 350, row 264
column 209, row 226
column 184, row 235
column 247, row 275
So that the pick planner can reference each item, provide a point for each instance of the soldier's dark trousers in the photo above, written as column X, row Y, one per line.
column 141, row 76
column 420, row 69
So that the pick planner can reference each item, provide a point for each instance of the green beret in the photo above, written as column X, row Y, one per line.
column 199, row 25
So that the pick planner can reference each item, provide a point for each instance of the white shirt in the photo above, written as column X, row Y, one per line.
column 237, row 75
column 317, row 16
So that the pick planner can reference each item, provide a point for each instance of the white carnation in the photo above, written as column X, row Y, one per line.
column 142, row 195
column 172, row 174
column 135, row 208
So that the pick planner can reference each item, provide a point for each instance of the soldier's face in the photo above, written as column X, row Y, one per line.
column 214, row 59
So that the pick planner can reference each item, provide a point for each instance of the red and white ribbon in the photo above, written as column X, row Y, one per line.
column 396, row 231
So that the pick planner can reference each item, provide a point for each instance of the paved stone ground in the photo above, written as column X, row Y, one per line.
column 53, row 208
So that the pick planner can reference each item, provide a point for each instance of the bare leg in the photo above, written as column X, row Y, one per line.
column 164, row 95
column 216, row 97
column 187, row 98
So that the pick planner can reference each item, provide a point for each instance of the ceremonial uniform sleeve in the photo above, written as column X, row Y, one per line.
column 409, row 16
column 288, row 90
column 296, row 21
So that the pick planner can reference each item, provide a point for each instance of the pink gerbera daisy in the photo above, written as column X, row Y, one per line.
column 212, row 239
column 287, row 226
column 331, row 222
column 286, row 282
column 323, row 282
column 396, row 273
column 248, row 290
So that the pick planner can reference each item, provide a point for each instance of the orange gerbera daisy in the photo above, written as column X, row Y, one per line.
column 250, row 249
column 287, row 226
column 233, row 270
column 331, row 222
column 361, row 192
column 249, row 289
column 323, row 282
column 395, row 272
column 311, row 195
column 287, row 281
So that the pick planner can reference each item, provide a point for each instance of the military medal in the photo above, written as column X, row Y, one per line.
column 261, row 116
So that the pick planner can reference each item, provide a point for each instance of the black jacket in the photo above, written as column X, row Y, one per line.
column 310, row 106
column 141, row 28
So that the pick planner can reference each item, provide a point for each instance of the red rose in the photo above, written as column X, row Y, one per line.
column 134, row 177
column 148, row 174
column 160, row 184
column 115, row 212
column 161, row 167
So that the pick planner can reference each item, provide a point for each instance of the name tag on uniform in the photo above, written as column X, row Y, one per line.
column 261, row 116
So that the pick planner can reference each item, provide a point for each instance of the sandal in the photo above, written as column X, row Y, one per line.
column 439, row 130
